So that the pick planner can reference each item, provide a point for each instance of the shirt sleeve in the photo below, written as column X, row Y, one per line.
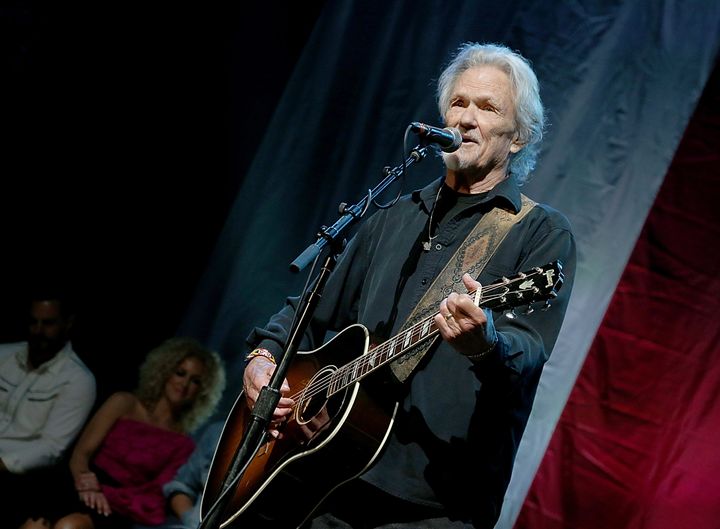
column 336, row 309
column 526, row 340
column 67, row 417
column 191, row 476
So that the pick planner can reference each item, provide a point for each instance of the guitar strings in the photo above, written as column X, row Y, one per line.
column 323, row 383
column 363, row 361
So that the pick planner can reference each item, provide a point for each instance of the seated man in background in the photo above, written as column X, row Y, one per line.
column 46, row 394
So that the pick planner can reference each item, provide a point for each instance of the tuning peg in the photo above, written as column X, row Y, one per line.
column 529, row 309
column 511, row 314
column 546, row 306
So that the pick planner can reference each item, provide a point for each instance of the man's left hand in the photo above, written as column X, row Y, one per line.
column 465, row 325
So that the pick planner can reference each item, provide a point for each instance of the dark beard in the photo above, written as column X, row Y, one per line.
column 41, row 349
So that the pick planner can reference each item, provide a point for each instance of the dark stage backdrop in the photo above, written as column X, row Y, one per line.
column 620, row 81
column 125, row 131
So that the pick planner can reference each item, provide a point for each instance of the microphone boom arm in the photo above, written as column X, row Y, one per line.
column 351, row 214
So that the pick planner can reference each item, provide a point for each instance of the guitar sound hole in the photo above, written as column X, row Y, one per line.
column 312, row 405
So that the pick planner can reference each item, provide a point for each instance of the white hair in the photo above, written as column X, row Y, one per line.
column 529, row 111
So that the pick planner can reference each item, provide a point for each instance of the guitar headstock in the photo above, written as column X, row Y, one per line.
column 524, row 289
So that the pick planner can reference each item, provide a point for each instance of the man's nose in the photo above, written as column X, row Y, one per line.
column 468, row 118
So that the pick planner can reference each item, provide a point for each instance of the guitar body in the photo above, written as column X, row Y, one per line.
column 327, row 442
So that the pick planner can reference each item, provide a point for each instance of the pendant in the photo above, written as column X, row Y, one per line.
column 426, row 246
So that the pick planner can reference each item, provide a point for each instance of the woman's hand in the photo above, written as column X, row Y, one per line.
column 88, row 487
column 97, row 501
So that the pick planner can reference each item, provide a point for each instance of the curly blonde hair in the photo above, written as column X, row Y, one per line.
column 162, row 361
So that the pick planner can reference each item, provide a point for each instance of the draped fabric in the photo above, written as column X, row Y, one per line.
column 619, row 79
column 636, row 445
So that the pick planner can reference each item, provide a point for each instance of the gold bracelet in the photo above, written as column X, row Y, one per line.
column 261, row 352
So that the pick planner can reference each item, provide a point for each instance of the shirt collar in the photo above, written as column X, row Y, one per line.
column 506, row 193
column 51, row 366
column 426, row 195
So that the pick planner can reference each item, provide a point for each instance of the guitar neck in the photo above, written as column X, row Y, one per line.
column 382, row 354
column 525, row 288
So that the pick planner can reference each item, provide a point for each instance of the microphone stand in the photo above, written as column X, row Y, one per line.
column 331, row 239
column 353, row 213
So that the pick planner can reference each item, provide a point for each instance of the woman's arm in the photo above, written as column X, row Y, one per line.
column 92, row 436
column 180, row 504
column 86, row 482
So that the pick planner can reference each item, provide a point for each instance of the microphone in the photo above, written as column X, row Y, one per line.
column 448, row 139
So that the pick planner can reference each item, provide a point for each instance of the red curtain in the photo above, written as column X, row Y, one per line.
column 637, row 444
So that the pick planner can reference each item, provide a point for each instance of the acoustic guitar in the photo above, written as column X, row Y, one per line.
column 337, row 429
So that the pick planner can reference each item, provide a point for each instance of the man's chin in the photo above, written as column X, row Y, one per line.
column 451, row 161
column 43, row 348
column 455, row 163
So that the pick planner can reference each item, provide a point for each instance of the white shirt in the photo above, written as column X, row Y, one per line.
column 41, row 410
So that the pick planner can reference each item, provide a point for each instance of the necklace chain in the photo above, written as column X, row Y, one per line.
column 427, row 245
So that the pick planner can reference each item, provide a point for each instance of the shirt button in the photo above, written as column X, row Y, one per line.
column 424, row 281
column 438, row 246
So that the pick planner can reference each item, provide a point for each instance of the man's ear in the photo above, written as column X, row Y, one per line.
column 516, row 145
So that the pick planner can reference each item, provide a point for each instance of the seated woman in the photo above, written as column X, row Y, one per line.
column 137, row 441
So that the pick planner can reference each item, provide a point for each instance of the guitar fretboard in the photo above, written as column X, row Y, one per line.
column 382, row 354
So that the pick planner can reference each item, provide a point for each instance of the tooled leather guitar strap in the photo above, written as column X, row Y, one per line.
column 471, row 257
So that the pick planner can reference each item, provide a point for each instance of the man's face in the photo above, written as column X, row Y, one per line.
column 48, row 329
column 482, row 108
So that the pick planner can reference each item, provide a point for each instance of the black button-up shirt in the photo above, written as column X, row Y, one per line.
column 459, row 422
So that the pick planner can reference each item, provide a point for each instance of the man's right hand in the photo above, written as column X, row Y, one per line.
column 257, row 374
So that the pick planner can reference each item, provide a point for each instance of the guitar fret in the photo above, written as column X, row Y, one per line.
column 332, row 386
column 415, row 335
column 408, row 338
column 368, row 363
column 337, row 381
column 377, row 359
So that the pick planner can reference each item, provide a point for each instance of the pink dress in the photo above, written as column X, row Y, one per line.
column 140, row 458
